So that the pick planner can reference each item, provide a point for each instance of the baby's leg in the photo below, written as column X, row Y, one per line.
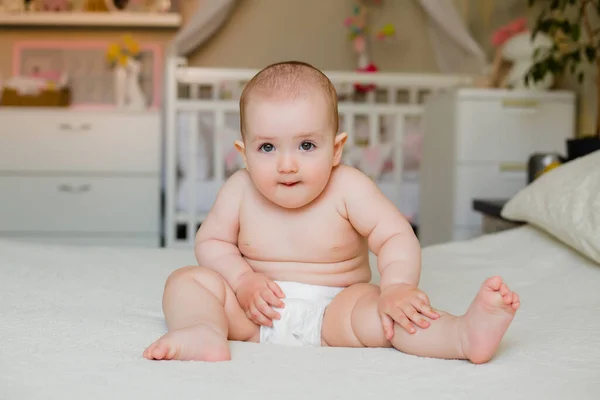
column 201, row 312
column 352, row 320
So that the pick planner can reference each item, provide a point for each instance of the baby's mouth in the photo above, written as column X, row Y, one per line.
column 290, row 184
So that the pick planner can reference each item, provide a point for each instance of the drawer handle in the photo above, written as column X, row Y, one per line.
column 512, row 167
column 66, row 188
column 520, row 106
column 68, row 127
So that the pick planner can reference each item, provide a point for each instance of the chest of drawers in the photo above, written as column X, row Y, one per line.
column 476, row 145
column 80, row 177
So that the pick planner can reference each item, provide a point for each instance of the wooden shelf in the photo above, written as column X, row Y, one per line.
column 91, row 19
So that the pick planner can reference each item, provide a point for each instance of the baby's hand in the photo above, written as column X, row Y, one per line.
column 404, row 303
column 256, row 294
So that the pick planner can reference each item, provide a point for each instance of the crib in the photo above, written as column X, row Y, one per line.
column 381, row 114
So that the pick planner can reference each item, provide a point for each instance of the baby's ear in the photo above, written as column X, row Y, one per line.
column 338, row 146
column 241, row 148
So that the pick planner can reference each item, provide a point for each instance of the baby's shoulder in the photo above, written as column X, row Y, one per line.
column 239, row 179
column 345, row 175
column 236, row 185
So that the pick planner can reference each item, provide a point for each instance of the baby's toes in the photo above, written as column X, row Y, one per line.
column 161, row 351
column 493, row 283
column 508, row 298
column 504, row 289
column 149, row 350
column 516, row 301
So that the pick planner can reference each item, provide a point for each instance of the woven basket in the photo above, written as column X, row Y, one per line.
column 45, row 98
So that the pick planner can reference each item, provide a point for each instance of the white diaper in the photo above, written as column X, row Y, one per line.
column 302, row 316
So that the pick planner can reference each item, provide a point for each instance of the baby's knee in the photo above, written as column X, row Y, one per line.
column 364, row 318
column 197, row 276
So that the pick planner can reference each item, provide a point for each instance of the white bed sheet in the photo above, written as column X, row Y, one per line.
column 74, row 323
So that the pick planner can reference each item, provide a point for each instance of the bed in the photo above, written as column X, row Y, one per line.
column 75, row 321
column 381, row 112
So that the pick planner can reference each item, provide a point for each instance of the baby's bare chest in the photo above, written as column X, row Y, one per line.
column 318, row 234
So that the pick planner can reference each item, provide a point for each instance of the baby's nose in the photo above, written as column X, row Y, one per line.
column 287, row 164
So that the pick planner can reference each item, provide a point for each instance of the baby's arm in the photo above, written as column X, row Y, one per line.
column 390, row 236
column 216, row 240
column 393, row 241
column 216, row 248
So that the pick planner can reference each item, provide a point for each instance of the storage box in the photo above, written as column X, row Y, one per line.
column 45, row 98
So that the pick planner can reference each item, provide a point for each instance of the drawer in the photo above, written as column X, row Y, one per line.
column 62, row 141
column 94, row 204
column 510, row 129
column 92, row 239
column 482, row 181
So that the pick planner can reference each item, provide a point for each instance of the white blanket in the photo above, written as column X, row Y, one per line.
column 74, row 323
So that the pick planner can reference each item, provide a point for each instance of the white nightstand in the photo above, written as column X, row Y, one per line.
column 80, row 177
column 476, row 144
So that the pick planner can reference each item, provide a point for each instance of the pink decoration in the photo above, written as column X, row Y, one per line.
column 371, row 68
column 359, row 44
column 55, row 5
column 372, row 154
column 53, row 76
column 230, row 159
column 507, row 31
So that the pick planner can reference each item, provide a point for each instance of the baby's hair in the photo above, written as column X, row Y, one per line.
column 289, row 79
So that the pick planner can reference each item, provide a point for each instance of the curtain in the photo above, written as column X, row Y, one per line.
column 454, row 48
column 207, row 19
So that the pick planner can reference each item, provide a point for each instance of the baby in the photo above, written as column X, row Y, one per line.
column 284, row 253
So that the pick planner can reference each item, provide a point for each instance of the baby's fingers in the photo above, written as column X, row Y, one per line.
column 388, row 326
column 413, row 315
column 257, row 317
column 275, row 288
column 266, row 309
column 271, row 298
column 400, row 317
column 425, row 309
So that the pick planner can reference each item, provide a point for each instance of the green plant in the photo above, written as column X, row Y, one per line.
column 576, row 41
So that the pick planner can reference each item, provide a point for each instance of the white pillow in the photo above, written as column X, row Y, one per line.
column 564, row 202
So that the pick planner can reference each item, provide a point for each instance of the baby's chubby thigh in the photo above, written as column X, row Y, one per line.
column 352, row 319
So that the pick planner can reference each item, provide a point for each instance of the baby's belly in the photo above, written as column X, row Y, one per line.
column 343, row 273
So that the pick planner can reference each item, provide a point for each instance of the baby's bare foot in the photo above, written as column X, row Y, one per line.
column 199, row 342
column 487, row 319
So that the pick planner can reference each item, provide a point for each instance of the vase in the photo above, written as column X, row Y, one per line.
column 135, row 96
column 120, row 83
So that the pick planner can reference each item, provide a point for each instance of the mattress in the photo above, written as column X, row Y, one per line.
column 75, row 320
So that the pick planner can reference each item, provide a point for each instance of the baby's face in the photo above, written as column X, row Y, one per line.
column 290, row 148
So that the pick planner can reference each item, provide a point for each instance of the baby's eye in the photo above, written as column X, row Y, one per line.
column 266, row 147
column 307, row 146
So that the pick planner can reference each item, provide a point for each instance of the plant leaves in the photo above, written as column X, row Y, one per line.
column 580, row 78
column 590, row 53
column 575, row 32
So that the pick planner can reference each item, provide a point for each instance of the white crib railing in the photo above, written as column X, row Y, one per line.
column 184, row 94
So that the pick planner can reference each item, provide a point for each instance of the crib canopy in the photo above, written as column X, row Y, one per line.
column 207, row 19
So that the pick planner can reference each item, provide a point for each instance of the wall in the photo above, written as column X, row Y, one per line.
column 260, row 32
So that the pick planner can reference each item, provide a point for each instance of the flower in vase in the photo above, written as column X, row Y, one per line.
column 119, row 53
